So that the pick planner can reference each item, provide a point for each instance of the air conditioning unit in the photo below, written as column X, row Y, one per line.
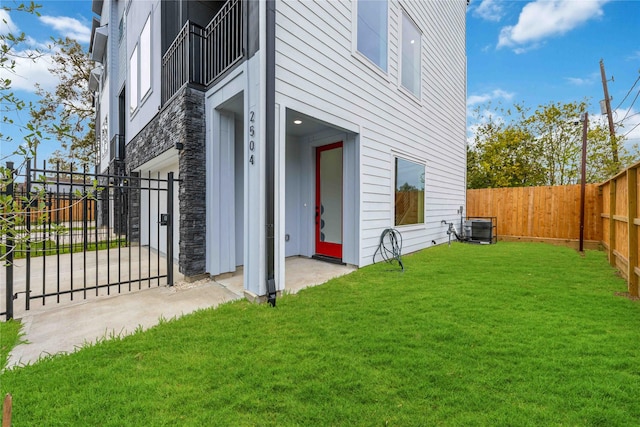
column 479, row 230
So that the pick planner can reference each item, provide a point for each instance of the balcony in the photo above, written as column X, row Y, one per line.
column 201, row 55
column 116, row 148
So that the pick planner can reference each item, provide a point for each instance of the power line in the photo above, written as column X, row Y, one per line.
column 631, row 130
column 631, row 106
column 625, row 97
column 633, row 115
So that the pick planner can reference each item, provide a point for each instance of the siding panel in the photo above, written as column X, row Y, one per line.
column 316, row 68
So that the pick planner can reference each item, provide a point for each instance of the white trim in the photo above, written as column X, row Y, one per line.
column 230, row 87
column 403, row 154
column 396, row 154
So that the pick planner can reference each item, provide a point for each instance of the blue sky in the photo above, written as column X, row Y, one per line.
column 533, row 52
column 58, row 19
column 537, row 52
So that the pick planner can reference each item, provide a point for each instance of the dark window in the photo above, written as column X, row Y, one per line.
column 409, row 192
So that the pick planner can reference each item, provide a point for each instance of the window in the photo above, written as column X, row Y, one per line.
column 133, row 80
column 372, row 31
column 140, row 68
column 411, row 56
column 409, row 192
column 145, row 59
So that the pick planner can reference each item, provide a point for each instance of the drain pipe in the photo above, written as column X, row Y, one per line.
column 270, row 64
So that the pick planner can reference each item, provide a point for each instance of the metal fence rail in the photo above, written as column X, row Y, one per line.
column 77, row 235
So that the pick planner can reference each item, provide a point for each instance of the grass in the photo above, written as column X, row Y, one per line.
column 49, row 248
column 508, row 334
column 9, row 338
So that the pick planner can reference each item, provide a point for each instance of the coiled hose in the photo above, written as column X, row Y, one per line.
column 390, row 247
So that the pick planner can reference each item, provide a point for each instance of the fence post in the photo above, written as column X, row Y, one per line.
column 632, row 196
column 10, row 248
column 85, row 224
column 170, row 229
column 612, row 222
column 28, row 240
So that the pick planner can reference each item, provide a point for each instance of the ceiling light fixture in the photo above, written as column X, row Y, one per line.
column 297, row 122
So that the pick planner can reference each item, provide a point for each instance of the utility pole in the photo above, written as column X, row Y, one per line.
column 607, row 102
column 585, row 129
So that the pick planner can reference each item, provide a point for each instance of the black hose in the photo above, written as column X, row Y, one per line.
column 391, row 249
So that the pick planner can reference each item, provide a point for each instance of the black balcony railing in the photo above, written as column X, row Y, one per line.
column 200, row 55
column 224, row 40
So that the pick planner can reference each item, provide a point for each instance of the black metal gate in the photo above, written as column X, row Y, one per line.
column 76, row 235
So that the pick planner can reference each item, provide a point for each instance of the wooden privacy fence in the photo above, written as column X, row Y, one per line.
column 58, row 207
column 620, row 224
column 550, row 214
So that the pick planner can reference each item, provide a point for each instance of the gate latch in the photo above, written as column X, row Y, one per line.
column 164, row 219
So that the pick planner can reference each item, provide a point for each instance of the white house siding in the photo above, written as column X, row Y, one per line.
column 317, row 74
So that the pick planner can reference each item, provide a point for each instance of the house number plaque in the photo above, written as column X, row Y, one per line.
column 252, row 133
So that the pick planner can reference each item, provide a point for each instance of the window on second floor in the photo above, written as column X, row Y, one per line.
column 140, row 68
column 372, row 29
column 145, row 59
column 133, row 81
column 411, row 57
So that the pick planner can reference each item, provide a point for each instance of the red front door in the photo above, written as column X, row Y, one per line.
column 329, row 200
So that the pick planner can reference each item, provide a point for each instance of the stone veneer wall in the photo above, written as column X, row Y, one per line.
column 181, row 120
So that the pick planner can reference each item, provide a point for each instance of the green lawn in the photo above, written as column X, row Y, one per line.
column 509, row 334
column 50, row 248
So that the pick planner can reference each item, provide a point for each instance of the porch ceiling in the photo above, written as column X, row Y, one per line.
column 308, row 125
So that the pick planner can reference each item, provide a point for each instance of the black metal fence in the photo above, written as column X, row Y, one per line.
column 73, row 235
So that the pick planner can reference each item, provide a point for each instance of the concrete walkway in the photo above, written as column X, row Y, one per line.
column 54, row 329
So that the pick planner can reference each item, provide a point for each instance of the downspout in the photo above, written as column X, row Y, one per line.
column 270, row 72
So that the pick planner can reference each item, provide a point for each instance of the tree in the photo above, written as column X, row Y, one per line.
column 67, row 112
column 62, row 113
column 11, row 49
column 541, row 148
column 557, row 129
column 503, row 154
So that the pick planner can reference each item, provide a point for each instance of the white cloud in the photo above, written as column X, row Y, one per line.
column 6, row 24
column 68, row 27
column 489, row 10
column 634, row 55
column 486, row 97
column 541, row 19
column 483, row 115
column 28, row 72
column 581, row 81
column 33, row 60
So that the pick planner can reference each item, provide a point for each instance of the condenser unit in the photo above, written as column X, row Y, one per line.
column 479, row 230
